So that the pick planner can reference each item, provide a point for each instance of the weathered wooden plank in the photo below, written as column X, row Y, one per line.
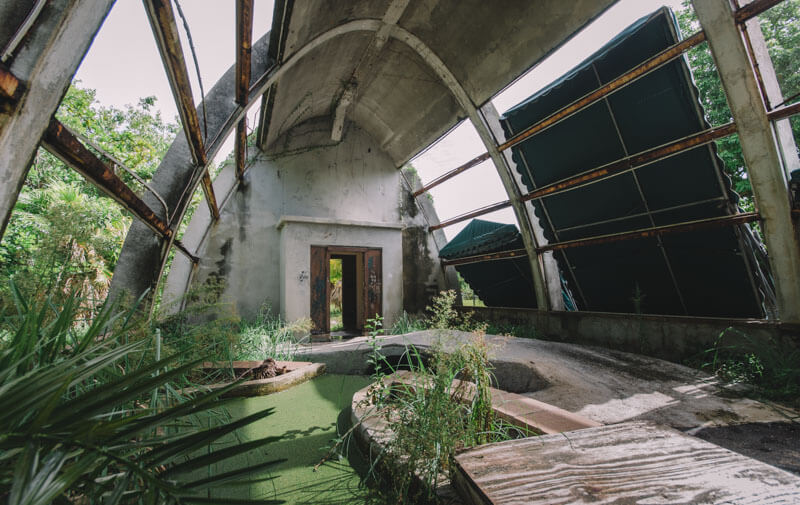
column 320, row 310
column 637, row 462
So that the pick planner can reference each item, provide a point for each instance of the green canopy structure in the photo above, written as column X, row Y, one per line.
column 714, row 272
column 502, row 283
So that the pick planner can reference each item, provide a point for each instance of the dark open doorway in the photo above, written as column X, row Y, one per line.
column 344, row 293
column 346, row 289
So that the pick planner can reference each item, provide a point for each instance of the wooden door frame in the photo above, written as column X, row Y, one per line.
column 334, row 250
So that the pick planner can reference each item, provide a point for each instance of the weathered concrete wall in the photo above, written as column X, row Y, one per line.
column 423, row 276
column 674, row 338
column 345, row 194
column 298, row 234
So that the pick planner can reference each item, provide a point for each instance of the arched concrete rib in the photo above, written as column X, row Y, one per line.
column 479, row 122
column 144, row 255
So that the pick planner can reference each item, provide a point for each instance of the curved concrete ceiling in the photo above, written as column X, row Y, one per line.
column 397, row 96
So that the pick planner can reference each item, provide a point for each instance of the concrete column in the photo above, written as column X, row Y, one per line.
column 772, row 90
column 759, row 150
column 547, row 262
column 45, row 63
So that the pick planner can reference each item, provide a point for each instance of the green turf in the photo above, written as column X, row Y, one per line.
column 306, row 417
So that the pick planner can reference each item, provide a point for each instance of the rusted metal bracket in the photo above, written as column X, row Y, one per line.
column 634, row 161
column 452, row 173
column 480, row 258
column 784, row 112
column 165, row 30
column 753, row 9
column 182, row 248
column 700, row 224
column 63, row 144
column 11, row 88
column 211, row 198
column 479, row 212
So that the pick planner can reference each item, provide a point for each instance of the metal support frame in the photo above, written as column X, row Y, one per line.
column 165, row 31
column 482, row 258
column 244, row 43
column 664, row 57
column 479, row 121
column 655, row 231
column 63, row 144
column 452, row 173
column 469, row 215
column 758, row 148
column 182, row 248
column 770, row 89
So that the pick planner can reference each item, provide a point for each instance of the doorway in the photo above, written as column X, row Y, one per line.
column 346, row 289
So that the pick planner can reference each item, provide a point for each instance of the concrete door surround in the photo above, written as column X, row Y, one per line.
column 297, row 236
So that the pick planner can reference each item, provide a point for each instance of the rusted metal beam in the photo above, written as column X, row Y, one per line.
column 165, row 30
column 244, row 43
column 700, row 224
column 211, row 199
column 753, row 9
column 241, row 147
column 10, row 87
column 449, row 175
column 633, row 161
column 480, row 258
column 645, row 68
column 63, row 144
column 784, row 112
column 182, row 248
column 475, row 213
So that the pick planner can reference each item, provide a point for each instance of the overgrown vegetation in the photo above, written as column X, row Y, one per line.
column 772, row 369
column 64, row 236
column 214, row 330
column 89, row 416
column 445, row 407
column 781, row 27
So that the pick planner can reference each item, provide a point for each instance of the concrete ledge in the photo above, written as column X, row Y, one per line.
column 284, row 220
column 296, row 372
column 674, row 338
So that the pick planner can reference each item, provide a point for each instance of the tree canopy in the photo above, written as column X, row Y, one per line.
column 781, row 28
column 64, row 234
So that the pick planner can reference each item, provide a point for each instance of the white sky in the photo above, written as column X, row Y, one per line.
column 123, row 65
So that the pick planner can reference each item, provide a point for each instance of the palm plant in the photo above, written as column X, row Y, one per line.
column 81, row 420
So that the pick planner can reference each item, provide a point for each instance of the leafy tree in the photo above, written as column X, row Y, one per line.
column 781, row 27
column 64, row 235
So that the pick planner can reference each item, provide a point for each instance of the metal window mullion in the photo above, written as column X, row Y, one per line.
column 552, row 228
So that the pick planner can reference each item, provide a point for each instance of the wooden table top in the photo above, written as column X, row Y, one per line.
column 627, row 463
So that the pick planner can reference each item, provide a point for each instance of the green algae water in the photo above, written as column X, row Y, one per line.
column 306, row 418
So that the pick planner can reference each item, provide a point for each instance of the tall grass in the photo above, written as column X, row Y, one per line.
column 433, row 417
column 83, row 419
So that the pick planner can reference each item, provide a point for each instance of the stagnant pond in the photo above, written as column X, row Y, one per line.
column 306, row 417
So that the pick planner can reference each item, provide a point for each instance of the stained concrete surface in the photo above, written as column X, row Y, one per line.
column 604, row 385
